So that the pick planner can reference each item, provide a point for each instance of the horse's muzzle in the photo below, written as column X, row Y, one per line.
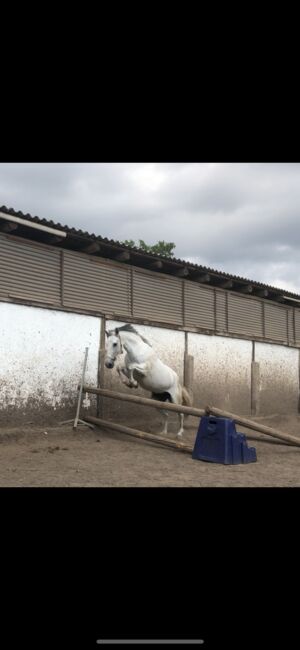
column 109, row 364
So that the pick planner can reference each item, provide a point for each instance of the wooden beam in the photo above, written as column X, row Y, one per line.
column 228, row 284
column 278, row 298
column 8, row 226
column 204, row 277
column 55, row 240
column 32, row 224
column 94, row 247
column 290, row 299
column 156, row 265
column 144, row 401
column 182, row 273
column 256, row 426
column 159, row 440
column 262, row 293
column 123, row 257
column 247, row 288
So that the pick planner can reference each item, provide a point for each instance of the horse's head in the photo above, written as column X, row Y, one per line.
column 113, row 347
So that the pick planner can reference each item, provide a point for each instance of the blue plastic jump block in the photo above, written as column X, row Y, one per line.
column 217, row 441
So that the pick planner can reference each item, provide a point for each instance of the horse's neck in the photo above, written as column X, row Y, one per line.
column 136, row 349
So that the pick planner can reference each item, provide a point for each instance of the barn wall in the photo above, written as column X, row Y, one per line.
column 222, row 372
column 41, row 359
column 278, row 381
column 43, row 275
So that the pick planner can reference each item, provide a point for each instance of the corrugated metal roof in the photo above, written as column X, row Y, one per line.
column 172, row 260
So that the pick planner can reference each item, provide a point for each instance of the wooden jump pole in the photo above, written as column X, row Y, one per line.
column 250, row 424
column 136, row 399
column 188, row 410
column 106, row 424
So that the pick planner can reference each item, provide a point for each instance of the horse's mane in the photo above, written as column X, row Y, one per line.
column 130, row 328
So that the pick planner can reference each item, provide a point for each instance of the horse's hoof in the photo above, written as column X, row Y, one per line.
column 133, row 384
column 179, row 434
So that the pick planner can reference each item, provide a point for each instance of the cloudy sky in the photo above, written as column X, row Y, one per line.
column 242, row 218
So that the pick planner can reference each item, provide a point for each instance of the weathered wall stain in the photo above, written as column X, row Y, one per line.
column 278, row 378
column 41, row 358
column 222, row 372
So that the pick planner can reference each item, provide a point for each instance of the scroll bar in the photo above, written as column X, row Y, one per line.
column 150, row 641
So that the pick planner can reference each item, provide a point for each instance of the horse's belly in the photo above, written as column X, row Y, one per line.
column 153, row 381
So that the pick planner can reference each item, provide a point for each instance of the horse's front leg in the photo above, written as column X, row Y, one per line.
column 123, row 375
column 140, row 367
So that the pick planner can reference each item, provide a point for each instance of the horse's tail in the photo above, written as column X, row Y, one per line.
column 186, row 398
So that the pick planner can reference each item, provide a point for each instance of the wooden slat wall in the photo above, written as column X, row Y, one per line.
column 245, row 316
column 34, row 272
column 91, row 284
column 297, row 325
column 221, row 320
column 157, row 298
column 29, row 272
column 291, row 331
column 199, row 306
column 276, row 323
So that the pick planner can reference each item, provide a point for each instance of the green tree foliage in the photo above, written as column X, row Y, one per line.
column 161, row 248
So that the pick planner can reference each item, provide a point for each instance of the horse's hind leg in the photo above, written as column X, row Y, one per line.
column 165, row 429
column 175, row 399
column 181, row 430
column 164, row 432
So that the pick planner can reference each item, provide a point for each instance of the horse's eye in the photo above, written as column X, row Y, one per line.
column 114, row 345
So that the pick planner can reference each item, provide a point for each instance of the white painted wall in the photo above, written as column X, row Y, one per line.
column 42, row 350
column 41, row 356
column 278, row 390
column 222, row 372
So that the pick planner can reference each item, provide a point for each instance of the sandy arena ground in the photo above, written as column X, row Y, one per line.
column 56, row 456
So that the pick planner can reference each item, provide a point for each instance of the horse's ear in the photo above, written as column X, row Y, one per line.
column 107, row 334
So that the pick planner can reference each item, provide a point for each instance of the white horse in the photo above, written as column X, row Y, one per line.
column 142, row 367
